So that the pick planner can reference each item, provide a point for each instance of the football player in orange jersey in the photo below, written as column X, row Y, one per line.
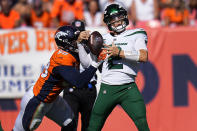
column 42, row 99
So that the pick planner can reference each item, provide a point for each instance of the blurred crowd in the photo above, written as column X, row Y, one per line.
column 54, row 13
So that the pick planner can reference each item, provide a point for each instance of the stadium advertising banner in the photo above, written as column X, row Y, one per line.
column 23, row 53
column 168, row 81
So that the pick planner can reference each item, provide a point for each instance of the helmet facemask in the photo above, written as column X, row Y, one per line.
column 70, row 46
column 117, row 23
column 73, row 47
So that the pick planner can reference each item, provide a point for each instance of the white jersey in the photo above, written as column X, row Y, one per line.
column 118, row 71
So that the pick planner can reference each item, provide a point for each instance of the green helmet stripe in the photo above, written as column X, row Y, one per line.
column 114, row 11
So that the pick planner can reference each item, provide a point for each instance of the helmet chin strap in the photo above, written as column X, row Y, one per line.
column 71, row 49
column 75, row 50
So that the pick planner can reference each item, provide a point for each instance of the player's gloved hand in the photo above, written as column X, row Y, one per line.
column 98, row 60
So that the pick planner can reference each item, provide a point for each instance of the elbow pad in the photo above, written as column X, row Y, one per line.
column 132, row 55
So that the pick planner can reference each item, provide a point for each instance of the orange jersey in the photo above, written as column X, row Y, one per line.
column 65, row 11
column 8, row 22
column 176, row 17
column 49, row 84
column 42, row 21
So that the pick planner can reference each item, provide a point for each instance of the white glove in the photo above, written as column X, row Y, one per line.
column 95, row 62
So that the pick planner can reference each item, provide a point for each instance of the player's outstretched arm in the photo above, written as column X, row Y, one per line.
column 74, row 77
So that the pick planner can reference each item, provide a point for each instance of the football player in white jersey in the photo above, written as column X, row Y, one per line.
column 126, row 48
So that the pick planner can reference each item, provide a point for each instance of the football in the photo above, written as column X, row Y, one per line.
column 95, row 43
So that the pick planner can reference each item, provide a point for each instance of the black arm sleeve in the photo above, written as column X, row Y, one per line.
column 74, row 77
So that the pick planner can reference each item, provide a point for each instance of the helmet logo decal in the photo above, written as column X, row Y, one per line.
column 77, row 24
column 113, row 12
column 60, row 33
column 105, row 12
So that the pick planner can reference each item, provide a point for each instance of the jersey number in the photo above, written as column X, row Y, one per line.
column 45, row 72
column 114, row 66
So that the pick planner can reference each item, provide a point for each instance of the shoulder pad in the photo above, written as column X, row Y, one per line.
column 63, row 58
column 135, row 31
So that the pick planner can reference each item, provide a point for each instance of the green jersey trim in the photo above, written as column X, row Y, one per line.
column 137, row 32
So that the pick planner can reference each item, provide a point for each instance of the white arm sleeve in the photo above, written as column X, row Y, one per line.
column 84, row 57
column 140, row 43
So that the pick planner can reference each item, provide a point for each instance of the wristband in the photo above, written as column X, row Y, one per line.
column 132, row 55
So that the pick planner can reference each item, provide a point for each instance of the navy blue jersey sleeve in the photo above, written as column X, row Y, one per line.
column 74, row 77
